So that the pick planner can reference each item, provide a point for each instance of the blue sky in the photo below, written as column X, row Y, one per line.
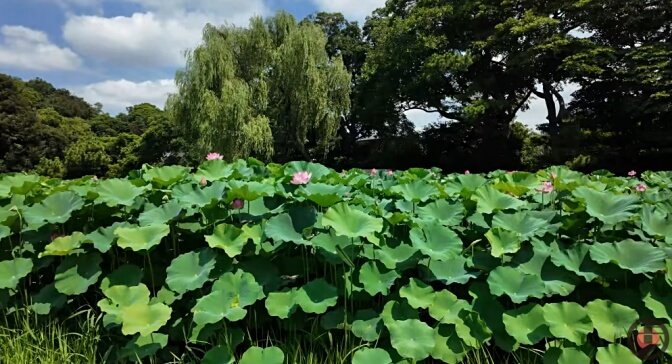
column 123, row 52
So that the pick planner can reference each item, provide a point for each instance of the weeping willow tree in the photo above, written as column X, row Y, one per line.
column 268, row 89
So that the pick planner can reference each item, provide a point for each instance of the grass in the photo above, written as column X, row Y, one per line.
column 26, row 338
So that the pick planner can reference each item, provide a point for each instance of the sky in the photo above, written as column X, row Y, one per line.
column 124, row 52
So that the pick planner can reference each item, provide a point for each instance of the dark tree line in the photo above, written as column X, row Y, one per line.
column 475, row 63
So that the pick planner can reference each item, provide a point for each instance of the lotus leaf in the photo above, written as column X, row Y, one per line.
column 568, row 320
column 376, row 279
column 489, row 200
column 232, row 239
column 368, row 356
column 606, row 206
column 256, row 355
column 76, row 273
column 413, row 339
column 190, row 271
column 515, row 284
column 637, row 257
column 114, row 192
column 55, row 209
column 141, row 237
column 616, row 353
column 611, row 320
column 436, row 241
column 350, row 222
column 11, row 271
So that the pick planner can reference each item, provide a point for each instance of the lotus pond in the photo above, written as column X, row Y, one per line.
column 222, row 263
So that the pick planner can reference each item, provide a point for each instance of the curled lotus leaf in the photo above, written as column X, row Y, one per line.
column 489, row 200
column 256, row 355
column 316, row 296
column 517, row 285
column 526, row 324
column 566, row 355
column 503, row 241
column 446, row 213
column 228, row 298
column 637, row 257
column 522, row 223
column 611, row 320
column 607, row 206
column 190, row 271
column 77, row 273
column 449, row 271
column 114, row 192
column 144, row 319
column 161, row 214
column 64, row 245
column 190, row 195
column 11, row 271
column 166, row 175
column 323, row 194
column 367, row 325
column 616, row 353
column 141, row 237
column 657, row 223
column 446, row 307
column 351, row 222
column 55, row 209
column 233, row 239
column 249, row 191
column 143, row 346
column 436, row 241
column 417, row 293
column 369, row 355
column 376, row 279
column 416, row 191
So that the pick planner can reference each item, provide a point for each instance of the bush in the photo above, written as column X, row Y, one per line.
column 235, row 260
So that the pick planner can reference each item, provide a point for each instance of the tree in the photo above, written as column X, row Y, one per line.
column 263, row 89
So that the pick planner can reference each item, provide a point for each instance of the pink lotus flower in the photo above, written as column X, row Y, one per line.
column 214, row 156
column 373, row 171
column 237, row 204
column 546, row 187
column 641, row 187
column 467, row 172
column 301, row 178
column 204, row 181
column 390, row 172
column 632, row 173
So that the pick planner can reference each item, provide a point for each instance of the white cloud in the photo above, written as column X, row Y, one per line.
column 116, row 95
column 352, row 9
column 157, row 37
column 25, row 48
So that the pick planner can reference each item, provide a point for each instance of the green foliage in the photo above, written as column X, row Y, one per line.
column 173, row 265
column 270, row 88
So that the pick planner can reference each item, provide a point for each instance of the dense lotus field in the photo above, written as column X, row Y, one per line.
column 415, row 265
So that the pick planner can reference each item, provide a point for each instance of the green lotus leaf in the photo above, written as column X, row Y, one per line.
column 120, row 296
column 316, row 296
column 231, row 239
column 442, row 211
column 368, row 356
column 317, row 170
column 472, row 329
column 417, row 293
column 446, row 307
column 281, row 304
column 64, row 245
column 526, row 324
column 606, row 206
column 367, row 325
column 4, row 232
column 465, row 184
column 391, row 257
column 517, row 285
column 55, row 209
column 114, row 192
column 503, row 241
column 214, row 170
column 323, row 194
column 47, row 299
column 491, row 311
column 616, row 353
column 257, row 355
column 535, row 261
column 449, row 271
column 436, row 241
column 489, row 200
column 657, row 223
column 218, row 355
column 659, row 301
column 103, row 237
column 144, row 319
column 412, row 339
column 416, row 191
column 190, row 271
column 143, row 346
column 376, row 279
column 126, row 275
column 281, row 228
column 350, row 222
column 141, row 237
column 230, row 294
column 331, row 242
column 11, row 271
column 160, row 214
column 611, row 320
column 575, row 259
column 568, row 320
column 18, row 184
column 522, row 223
column 637, row 257
column 565, row 355
column 447, row 345
column 76, row 273
column 249, row 191
column 166, row 175
column 189, row 195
